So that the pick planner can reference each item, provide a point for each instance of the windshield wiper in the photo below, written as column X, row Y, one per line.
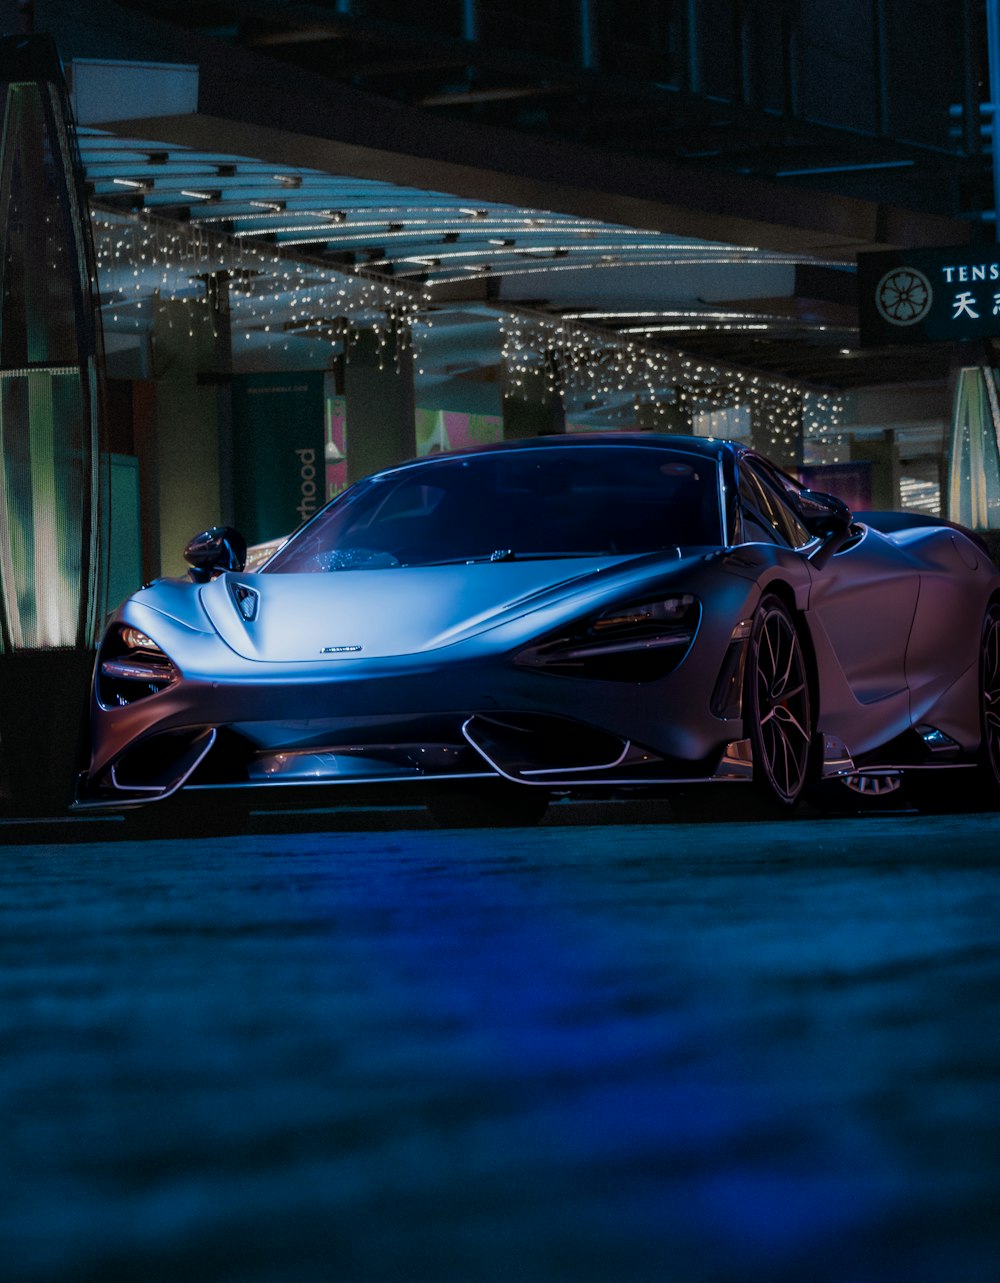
column 508, row 554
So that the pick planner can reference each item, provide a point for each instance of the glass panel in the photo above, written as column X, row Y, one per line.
column 49, row 528
column 974, row 468
column 41, row 481
column 38, row 302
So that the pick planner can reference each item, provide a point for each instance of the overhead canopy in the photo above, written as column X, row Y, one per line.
column 780, row 311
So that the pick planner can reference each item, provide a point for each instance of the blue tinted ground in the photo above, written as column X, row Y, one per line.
column 691, row 1053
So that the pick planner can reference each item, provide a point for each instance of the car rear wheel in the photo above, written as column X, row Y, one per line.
column 989, row 704
column 947, row 791
column 777, row 709
column 489, row 805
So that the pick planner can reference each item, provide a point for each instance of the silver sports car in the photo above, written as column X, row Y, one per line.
column 496, row 627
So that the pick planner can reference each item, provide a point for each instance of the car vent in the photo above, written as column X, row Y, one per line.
column 246, row 599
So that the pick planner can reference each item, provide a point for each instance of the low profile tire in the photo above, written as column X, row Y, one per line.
column 493, row 806
column 949, row 792
column 989, row 707
column 777, row 708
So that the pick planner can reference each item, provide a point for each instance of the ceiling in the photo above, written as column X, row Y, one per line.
column 791, row 315
column 615, row 82
column 470, row 174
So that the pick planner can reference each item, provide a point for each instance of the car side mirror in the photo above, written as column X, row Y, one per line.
column 214, row 551
column 829, row 519
column 823, row 515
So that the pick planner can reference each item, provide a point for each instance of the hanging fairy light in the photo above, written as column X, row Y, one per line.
column 275, row 295
column 270, row 293
column 579, row 360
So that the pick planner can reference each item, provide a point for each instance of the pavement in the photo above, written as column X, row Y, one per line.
column 591, row 1051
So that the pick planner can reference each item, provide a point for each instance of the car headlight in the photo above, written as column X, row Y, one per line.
column 131, row 666
column 136, row 640
column 638, row 641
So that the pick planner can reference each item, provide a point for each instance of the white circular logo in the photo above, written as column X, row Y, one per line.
column 903, row 296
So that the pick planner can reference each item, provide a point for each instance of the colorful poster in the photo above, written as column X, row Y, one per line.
column 440, row 430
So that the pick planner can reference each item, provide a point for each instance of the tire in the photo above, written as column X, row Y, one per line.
column 950, row 792
column 493, row 806
column 777, row 707
column 989, row 706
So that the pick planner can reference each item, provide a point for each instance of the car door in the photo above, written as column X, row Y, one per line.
column 862, row 599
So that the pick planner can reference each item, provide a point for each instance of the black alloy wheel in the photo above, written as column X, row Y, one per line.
column 989, row 698
column 777, row 712
column 951, row 792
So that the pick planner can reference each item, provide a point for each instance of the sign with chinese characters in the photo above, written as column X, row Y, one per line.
column 929, row 295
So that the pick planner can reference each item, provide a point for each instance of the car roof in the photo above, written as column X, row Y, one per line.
column 707, row 447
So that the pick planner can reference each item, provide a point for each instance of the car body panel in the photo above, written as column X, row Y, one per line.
column 530, row 665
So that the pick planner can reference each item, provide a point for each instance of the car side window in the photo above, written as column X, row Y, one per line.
column 756, row 527
column 761, row 511
column 776, row 511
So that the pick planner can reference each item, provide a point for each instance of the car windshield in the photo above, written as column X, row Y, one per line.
column 508, row 505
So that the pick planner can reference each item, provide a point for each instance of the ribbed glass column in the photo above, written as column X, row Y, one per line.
column 51, row 534
column 974, row 463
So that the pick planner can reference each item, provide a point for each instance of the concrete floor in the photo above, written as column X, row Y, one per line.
column 706, row 1053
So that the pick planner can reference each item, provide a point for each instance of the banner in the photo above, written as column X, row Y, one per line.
column 279, row 457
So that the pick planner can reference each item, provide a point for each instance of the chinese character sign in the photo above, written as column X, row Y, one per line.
column 929, row 295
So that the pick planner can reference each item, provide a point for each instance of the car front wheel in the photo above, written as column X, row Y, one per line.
column 989, row 703
column 777, row 709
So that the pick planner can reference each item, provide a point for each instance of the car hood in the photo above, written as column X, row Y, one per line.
column 365, row 614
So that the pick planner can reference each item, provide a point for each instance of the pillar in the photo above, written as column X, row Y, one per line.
column 54, row 479
column 187, row 427
column 379, row 402
column 663, row 415
column 973, row 492
column 532, row 407
column 776, row 433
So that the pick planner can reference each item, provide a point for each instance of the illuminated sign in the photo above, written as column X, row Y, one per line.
column 929, row 295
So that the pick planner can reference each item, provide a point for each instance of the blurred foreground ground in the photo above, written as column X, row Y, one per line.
column 593, row 1051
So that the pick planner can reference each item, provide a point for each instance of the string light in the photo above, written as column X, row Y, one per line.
column 595, row 366
column 270, row 293
column 274, row 295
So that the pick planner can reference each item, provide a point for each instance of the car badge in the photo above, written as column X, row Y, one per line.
column 339, row 650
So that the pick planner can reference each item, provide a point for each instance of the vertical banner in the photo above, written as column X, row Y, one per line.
column 336, row 440
column 279, row 452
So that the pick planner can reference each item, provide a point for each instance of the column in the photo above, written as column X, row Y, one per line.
column 532, row 405
column 187, row 427
column 378, row 395
column 883, row 455
column 776, row 433
column 973, row 493
column 54, row 480
column 663, row 415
